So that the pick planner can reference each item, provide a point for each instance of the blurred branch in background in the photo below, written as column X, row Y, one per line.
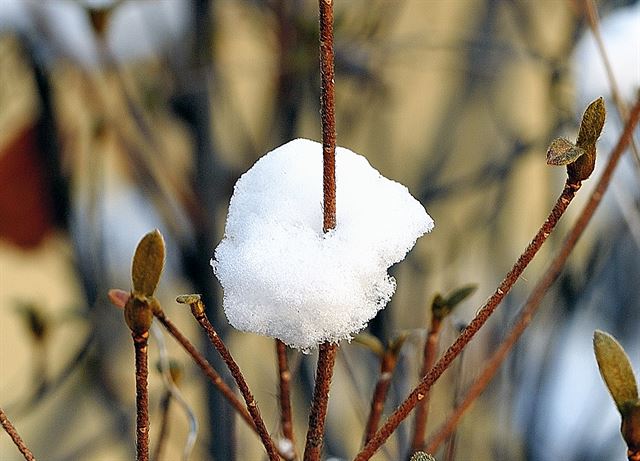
column 99, row 143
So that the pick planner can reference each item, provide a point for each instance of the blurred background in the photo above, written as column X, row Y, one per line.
column 120, row 117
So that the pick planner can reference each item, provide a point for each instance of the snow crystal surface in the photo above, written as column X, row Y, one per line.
column 284, row 278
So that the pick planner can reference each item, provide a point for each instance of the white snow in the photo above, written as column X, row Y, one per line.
column 282, row 277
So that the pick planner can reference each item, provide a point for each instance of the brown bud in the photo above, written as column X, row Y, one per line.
column 592, row 123
column 99, row 18
column 138, row 314
column 590, row 129
column 631, row 426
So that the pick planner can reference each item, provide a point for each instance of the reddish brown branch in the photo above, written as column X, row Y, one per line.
column 206, row 367
column 328, row 103
column 387, row 366
column 140, row 341
column 324, row 372
column 197, row 309
column 422, row 409
column 419, row 392
column 533, row 302
column 474, row 326
column 327, row 352
column 13, row 433
column 286, row 418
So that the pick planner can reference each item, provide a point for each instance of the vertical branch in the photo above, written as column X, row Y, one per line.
column 315, row 434
column 327, row 352
column 429, row 358
column 142, row 396
column 13, row 433
column 286, row 417
column 387, row 365
column 328, row 115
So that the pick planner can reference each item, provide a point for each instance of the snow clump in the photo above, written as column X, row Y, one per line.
column 282, row 276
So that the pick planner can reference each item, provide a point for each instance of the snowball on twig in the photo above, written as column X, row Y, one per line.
column 282, row 277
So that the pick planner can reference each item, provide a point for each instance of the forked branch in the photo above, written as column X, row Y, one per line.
column 586, row 140
column 533, row 302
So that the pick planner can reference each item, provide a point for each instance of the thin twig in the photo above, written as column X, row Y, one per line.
column 169, row 378
column 197, row 309
column 422, row 409
column 474, row 326
column 206, row 367
column 140, row 343
column 286, row 418
column 356, row 399
column 387, row 366
column 457, row 394
column 533, row 302
column 327, row 351
column 13, row 433
column 315, row 434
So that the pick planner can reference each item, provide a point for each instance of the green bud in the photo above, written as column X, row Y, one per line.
column 370, row 342
column 194, row 301
column 615, row 369
column 442, row 307
column 580, row 158
column 592, row 124
column 590, row 129
column 148, row 263
column 188, row 299
column 396, row 343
